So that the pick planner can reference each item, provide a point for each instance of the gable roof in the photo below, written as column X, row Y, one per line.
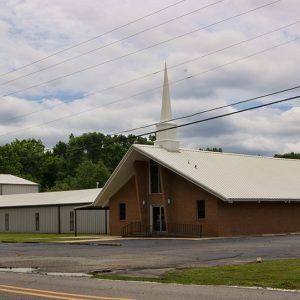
column 50, row 198
column 11, row 179
column 230, row 177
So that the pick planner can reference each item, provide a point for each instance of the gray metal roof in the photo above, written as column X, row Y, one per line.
column 11, row 179
column 50, row 198
column 231, row 177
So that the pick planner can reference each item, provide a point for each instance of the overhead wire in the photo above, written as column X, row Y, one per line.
column 189, row 123
column 155, row 88
column 139, row 50
column 198, row 121
column 159, row 71
column 94, row 38
column 211, row 109
column 110, row 44
column 220, row 116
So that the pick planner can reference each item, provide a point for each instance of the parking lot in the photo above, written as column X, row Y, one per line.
column 146, row 256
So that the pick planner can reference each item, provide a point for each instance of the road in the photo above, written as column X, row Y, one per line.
column 35, row 286
column 147, row 256
column 136, row 257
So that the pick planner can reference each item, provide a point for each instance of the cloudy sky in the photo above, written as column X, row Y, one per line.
column 218, row 52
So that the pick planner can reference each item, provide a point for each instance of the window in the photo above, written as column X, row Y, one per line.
column 37, row 221
column 72, row 220
column 6, row 222
column 122, row 211
column 200, row 209
column 154, row 178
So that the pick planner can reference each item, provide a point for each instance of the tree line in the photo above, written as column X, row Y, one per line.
column 82, row 162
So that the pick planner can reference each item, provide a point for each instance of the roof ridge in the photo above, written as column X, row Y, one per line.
column 223, row 153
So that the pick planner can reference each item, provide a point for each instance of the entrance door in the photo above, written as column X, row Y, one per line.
column 158, row 218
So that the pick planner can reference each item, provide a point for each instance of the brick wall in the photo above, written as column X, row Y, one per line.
column 182, row 209
column 127, row 194
column 258, row 218
column 222, row 219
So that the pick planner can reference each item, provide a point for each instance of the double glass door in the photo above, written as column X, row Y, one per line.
column 158, row 219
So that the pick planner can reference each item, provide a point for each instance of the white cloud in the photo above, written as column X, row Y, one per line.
column 30, row 30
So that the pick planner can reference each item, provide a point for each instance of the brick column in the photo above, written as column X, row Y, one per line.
column 166, row 194
column 142, row 188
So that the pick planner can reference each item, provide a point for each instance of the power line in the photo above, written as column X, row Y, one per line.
column 153, row 89
column 140, row 50
column 211, row 109
column 194, row 122
column 159, row 71
column 94, row 38
column 221, row 116
column 110, row 44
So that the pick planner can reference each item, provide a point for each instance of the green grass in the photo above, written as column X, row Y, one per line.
column 284, row 274
column 38, row 237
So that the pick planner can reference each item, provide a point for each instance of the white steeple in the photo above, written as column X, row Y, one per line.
column 167, row 138
column 166, row 112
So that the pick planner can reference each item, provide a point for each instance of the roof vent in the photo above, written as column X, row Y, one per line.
column 196, row 167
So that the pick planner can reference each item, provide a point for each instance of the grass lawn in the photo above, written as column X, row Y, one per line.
column 40, row 237
column 284, row 274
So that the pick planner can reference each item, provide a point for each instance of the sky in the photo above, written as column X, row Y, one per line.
column 84, row 66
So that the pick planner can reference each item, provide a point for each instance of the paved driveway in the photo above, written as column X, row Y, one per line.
column 147, row 256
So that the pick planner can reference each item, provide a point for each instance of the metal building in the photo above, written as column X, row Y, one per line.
column 10, row 184
column 53, row 212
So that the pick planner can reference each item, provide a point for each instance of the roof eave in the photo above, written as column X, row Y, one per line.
column 258, row 200
column 111, row 178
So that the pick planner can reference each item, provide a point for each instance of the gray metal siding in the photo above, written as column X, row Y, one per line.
column 65, row 218
column 11, row 189
column 23, row 219
column 91, row 221
column 88, row 221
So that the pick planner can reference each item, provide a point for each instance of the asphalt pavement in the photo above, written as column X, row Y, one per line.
column 33, row 286
column 147, row 256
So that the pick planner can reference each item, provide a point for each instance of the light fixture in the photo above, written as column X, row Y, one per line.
column 143, row 202
column 169, row 201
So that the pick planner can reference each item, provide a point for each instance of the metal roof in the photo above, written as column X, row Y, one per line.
column 50, row 198
column 11, row 179
column 231, row 177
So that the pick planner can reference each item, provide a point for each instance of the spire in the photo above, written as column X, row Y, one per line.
column 166, row 135
column 166, row 112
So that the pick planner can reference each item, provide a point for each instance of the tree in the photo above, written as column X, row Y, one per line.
column 214, row 149
column 23, row 158
column 77, row 163
column 88, row 174
column 9, row 161
column 51, row 167
column 291, row 155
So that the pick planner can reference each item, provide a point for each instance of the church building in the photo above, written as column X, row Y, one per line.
column 167, row 190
